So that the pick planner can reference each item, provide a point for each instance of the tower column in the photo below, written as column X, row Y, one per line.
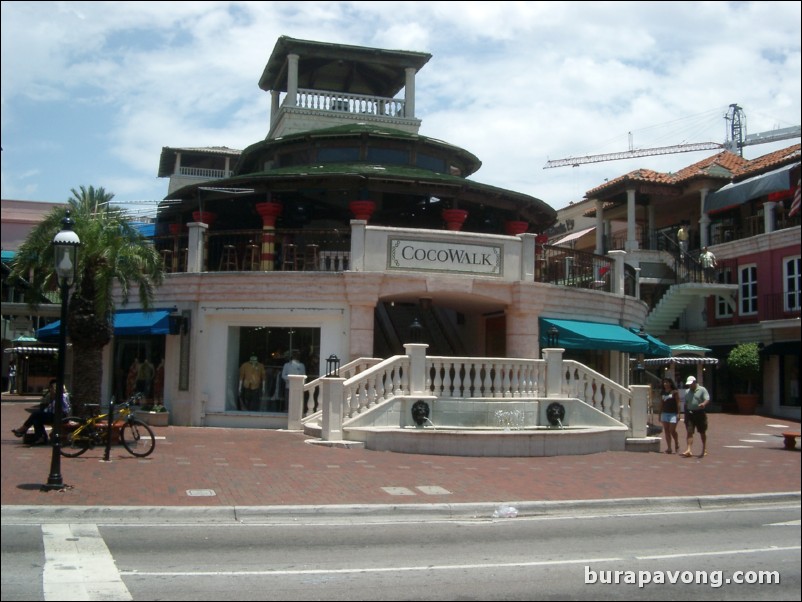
column 409, row 93
column 269, row 212
column 292, row 80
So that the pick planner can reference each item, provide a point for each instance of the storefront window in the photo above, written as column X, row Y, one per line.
column 136, row 359
column 790, row 380
column 257, row 358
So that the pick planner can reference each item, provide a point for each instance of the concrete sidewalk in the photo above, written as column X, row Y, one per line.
column 239, row 468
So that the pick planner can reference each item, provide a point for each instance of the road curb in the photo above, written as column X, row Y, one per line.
column 361, row 513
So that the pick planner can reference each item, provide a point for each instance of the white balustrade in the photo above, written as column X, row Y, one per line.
column 341, row 102
column 371, row 382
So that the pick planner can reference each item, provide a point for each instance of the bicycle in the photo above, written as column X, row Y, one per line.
column 81, row 433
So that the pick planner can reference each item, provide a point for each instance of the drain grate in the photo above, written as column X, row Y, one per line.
column 201, row 492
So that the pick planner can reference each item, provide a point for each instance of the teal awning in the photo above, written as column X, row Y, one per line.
column 657, row 347
column 126, row 322
column 577, row 334
column 685, row 348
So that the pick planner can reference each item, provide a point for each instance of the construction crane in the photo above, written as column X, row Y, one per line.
column 738, row 140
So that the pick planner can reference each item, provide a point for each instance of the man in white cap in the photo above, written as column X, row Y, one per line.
column 696, row 401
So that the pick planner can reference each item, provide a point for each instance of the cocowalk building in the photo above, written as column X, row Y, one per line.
column 345, row 233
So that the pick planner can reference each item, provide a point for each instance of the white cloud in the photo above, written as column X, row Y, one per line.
column 96, row 89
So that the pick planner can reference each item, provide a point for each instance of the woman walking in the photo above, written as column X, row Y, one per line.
column 669, row 414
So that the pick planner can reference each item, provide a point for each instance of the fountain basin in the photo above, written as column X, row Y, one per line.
column 487, row 427
column 486, row 442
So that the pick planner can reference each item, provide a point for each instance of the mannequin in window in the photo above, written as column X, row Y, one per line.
column 294, row 366
column 144, row 378
column 251, row 382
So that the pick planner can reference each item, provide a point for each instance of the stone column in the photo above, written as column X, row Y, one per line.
column 599, row 227
column 554, row 371
column 295, row 403
column 618, row 272
column 409, row 93
column 292, row 80
column 704, row 220
column 197, row 247
column 639, row 410
column 362, row 293
column 274, row 106
column 357, row 262
column 528, row 257
column 417, row 367
column 632, row 242
column 523, row 331
column 768, row 216
column 332, row 395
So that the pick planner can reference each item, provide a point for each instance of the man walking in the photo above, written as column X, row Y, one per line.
column 696, row 401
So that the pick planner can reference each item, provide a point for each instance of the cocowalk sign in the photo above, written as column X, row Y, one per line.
column 435, row 256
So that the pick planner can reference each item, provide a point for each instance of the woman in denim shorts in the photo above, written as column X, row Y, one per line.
column 669, row 414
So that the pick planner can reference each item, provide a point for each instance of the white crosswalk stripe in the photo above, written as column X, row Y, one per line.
column 79, row 566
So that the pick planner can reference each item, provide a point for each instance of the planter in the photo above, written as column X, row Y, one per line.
column 207, row 217
column 154, row 418
column 515, row 227
column 269, row 211
column 746, row 402
column 362, row 209
column 454, row 218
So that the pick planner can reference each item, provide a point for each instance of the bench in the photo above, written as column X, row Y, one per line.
column 790, row 440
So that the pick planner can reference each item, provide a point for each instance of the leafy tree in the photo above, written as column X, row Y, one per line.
column 114, row 259
column 744, row 363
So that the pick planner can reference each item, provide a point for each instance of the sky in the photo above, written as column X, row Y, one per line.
column 92, row 91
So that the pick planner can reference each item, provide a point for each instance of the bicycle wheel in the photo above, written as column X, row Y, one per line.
column 137, row 438
column 76, row 437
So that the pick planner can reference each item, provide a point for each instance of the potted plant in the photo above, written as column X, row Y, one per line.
column 154, row 415
column 744, row 364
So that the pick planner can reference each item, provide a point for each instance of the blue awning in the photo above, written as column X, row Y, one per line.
column 146, row 229
column 576, row 334
column 126, row 322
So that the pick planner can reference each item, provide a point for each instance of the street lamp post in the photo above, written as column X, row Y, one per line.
column 553, row 335
column 416, row 331
column 65, row 245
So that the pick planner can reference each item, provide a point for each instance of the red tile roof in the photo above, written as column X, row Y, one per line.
column 724, row 165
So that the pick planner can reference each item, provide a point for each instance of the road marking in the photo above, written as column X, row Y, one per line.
column 79, row 566
column 432, row 490
column 752, row 440
column 398, row 491
column 719, row 553
column 425, row 489
column 201, row 492
column 790, row 523
column 364, row 570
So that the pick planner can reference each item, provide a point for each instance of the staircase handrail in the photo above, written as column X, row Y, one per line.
column 378, row 383
column 349, row 370
column 597, row 391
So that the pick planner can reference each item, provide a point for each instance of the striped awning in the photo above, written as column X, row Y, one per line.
column 680, row 361
column 32, row 350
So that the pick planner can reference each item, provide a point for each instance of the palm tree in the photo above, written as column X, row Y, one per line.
column 114, row 258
